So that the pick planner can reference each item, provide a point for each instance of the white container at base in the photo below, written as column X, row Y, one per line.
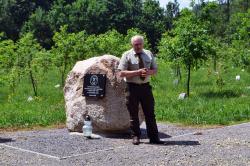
column 87, row 127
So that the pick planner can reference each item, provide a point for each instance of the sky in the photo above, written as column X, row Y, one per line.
column 183, row 3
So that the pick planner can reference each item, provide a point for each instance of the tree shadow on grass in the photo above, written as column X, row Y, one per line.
column 5, row 140
column 221, row 94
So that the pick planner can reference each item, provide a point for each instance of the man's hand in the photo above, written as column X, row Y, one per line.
column 143, row 72
column 151, row 72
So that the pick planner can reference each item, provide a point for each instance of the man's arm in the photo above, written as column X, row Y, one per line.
column 123, row 68
column 153, row 67
column 127, row 73
column 152, row 72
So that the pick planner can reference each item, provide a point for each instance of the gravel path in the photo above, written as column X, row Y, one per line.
column 183, row 146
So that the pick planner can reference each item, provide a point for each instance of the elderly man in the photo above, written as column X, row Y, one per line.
column 137, row 65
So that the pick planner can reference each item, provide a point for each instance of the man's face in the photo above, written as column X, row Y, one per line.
column 137, row 45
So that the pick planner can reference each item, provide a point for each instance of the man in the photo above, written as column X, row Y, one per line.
column 137, row 65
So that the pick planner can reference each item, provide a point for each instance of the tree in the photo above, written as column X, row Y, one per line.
column 69, row 47
column 58, row 15
column 13, row 14
column 28, row 59
column 123, row 14
column 8, row 56
column 187, row 44
column 240, row 25
column 152, row 21
column 88, row 15
column 208, row 15
column 39, row 25
column 172, row 11
column 111, row 42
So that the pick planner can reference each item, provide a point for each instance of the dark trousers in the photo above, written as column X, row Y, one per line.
column 141, row 94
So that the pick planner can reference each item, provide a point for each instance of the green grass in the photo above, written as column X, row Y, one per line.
column 45, row 110
column 207, row 104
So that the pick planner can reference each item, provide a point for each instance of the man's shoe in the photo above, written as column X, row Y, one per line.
column 156, row 141
column 136, row 140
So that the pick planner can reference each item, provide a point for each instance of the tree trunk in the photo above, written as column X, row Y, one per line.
column 12, row 85
column 228, row 11
column 188, row 79
column 178, row 72
column 32, row 79
column 247, row 4
column 215, row 63
column 63, row 73
column 33, row 83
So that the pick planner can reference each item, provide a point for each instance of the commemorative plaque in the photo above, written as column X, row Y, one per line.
column 94, row 85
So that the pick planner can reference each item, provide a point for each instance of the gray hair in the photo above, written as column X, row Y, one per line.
column 136, row 37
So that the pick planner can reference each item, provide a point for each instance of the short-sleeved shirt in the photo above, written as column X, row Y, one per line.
column 130, row 61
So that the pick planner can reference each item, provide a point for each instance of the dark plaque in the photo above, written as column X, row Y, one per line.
column 94, row 85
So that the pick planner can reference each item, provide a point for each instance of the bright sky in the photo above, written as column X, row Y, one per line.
column 183, row 3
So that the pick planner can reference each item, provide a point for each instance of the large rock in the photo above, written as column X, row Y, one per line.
column 108, row 113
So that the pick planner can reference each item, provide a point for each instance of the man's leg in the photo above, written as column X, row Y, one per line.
column 147, row 103
column 132, row 103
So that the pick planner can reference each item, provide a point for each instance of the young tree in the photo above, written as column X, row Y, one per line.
column 28, row 60
column 111, row 42
column 170, row 51
column 188, row 43
column 240, row 25
column 69, row 47
column 7, row 62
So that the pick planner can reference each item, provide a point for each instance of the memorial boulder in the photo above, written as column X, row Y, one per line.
column 94, row 88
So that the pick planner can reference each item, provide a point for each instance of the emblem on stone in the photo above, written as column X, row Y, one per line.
column 94, row 80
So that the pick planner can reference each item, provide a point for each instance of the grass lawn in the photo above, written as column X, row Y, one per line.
column 45, row 110
column 207, row 105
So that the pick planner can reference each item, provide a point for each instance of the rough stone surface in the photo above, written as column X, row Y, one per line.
column 109, row 113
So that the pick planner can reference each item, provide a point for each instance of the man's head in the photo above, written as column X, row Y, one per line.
column 137, row 42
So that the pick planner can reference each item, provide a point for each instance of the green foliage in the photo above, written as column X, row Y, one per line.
column 172, row 12
column 13, row 14
column 209, row 103
column 43, row 18
column 211, row 35
column 7, row 62
column 111, row 43
column 45, row 110
column 152, row 21
column 28, row 60
column 39, row 25
column 240, row 48
column 88, row 15
column 188, row 43
column 69, row 47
